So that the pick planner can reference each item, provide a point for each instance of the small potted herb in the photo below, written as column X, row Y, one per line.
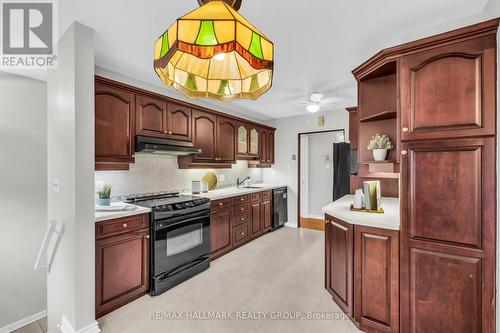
column 380, row 144
column 104, row 195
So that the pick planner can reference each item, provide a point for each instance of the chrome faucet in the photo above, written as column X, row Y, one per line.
column 238, row 183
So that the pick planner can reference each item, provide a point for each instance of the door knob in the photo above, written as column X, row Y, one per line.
column 405, row 129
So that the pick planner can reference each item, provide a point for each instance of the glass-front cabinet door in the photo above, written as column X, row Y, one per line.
column 254, row 141
column 242, row 140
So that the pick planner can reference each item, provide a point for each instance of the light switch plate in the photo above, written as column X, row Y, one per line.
column 222, row 178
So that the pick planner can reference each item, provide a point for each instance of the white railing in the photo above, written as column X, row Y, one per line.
column 43, row 260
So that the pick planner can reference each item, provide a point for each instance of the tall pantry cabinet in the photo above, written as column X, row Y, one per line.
column 448, row 219
column 445, row 90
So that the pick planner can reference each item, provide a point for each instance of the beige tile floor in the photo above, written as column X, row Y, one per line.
column 280, row 273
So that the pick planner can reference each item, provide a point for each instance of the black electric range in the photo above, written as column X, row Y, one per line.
column 180, row 231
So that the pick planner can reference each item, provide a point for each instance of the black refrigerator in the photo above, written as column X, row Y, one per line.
column 341, row 169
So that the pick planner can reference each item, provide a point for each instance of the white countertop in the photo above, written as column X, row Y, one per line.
column 233, row 191
column 389, row 220
column 103, row 216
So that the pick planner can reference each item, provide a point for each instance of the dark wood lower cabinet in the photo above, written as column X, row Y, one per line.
column 376, row 279
column 362, row 273
column 238, row 220
column 339, row 263
column 122, row 262
column 256, row 218
column 220, row 233
column 448, row 233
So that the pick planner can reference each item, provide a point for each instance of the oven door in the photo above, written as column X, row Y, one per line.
column 180, row 243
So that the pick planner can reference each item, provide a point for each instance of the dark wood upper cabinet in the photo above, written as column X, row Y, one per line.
column 123, row 111
column 376, row 279
column 151, row 117
column 114, row 127
column 264, row 146
column 179, row 122
column 205, row 136
column 449, row 91
column 270, row 149
column 353, row 127
column 122, row 264
column 339, row 262
column 227, row 135
column 448, row 219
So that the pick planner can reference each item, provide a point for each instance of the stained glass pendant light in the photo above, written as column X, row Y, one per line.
column 213, row 52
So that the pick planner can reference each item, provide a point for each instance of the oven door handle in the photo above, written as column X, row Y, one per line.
column 192, row 264
column 164, row 226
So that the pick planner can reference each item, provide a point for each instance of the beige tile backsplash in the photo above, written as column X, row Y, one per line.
column 153, row 173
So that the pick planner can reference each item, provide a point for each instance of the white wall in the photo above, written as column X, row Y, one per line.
column 23, row 196
column 286, row 142
column 320, row 172
column 70, row 156
column 153, row 173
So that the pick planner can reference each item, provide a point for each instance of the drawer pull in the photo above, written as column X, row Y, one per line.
column 220, row 204
column 242, row 233
column 405, row 129
column 404, row 152
column 124, row 225
column 242, row 199
column 148, row 236
column 242, row 219
column 242, row 209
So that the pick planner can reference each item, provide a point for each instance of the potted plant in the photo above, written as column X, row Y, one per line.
column 104, row 195
column 380, row 144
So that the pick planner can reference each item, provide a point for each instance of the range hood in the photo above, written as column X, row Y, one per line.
column 152, row 145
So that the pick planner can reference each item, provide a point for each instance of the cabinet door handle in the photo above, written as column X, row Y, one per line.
column 169, row 132
column 243, row 234
column 165, row 131
column 242, row 209
column 242, row 219
column 404, row 152
column 148, row 236
column 124, row 225
column 405, row 129
column 220, row 203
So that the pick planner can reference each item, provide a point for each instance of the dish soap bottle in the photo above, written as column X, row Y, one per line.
column 359, row 199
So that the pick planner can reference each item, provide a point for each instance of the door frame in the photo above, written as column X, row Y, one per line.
column 298, row 163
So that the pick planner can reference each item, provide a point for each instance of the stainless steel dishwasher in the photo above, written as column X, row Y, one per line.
column 280, row 216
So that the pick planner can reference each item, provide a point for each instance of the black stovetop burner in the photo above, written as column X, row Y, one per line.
column 165, row 200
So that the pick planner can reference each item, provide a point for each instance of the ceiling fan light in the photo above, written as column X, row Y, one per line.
column 313, row 108
column 316, row 97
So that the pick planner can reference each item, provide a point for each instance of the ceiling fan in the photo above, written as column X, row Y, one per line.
column 318, row 101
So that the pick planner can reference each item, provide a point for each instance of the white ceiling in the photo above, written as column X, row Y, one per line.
column 317, row 42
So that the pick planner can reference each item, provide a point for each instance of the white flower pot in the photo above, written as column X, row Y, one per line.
column 379, row 154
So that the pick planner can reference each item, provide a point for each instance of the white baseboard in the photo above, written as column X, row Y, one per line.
column 66, row 327
column 291, row 225
column 318, row 217
column 23, row 322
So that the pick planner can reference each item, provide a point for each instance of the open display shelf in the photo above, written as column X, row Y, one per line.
column 377, row 110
